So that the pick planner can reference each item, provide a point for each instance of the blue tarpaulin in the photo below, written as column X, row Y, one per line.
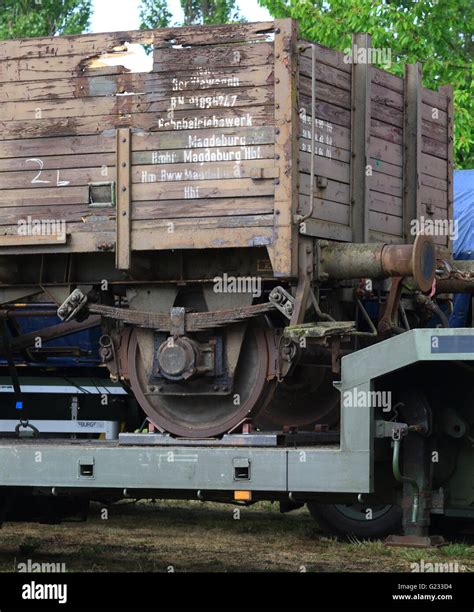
column 464, row 240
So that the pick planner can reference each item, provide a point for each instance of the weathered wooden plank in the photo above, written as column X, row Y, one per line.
column 385, row 168
column 434, row 197
column 447, row 90
column 386, row 79
column 85, row 45
column 385, row 203
column 182, row 190
column 385, row 184
column 361, row 116
column 213, row 34
column 433, row 166
column 325, row 74
column 143, row 103
column 123, row 235
column 385, row 151
column 326, row 133
column 111, row 85
column 434, row 147
column 435, row 182
column 388, row 224
column 219, row 207
column 208, row 156
column 163, row 209
column 41, row 69
column 386, row 96
column 325, row 210
column 324, row 55
column 328, row 112
column 37, row 197
column 382, row 130
column 56, row 145
column 10, row 215
column 325, row 92
column 334, row 191
column 324, row 150
column 284, row 252
column 262, row 168
column 180, row 121
column 434, row 99
column 33, row 177
column 148, row 236
column 213, row 55
column 433, row 130
column 387, row 114
column 203, row 139
column 329, row 168
column 327, row 230
column 412, row 148
column 58, row 162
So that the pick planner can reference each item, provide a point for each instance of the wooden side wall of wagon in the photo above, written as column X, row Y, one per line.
column 382, row 155
column 212, row 147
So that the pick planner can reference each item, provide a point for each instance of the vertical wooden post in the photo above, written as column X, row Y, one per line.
column 411, row 149
column 360, row 138
column 284, row 251
column 123, row 248
column 447, row 90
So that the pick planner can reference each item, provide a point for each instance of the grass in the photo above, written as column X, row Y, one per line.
column 206, row 537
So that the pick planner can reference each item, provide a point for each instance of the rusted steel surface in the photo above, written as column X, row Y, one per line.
column 193, row 322
column 220, row 150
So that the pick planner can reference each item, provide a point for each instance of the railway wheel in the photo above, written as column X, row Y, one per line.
column 195, row 415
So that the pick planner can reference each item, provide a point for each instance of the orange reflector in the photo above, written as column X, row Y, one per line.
column 243, row 495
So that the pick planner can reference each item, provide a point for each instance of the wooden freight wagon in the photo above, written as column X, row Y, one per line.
column 239, row 136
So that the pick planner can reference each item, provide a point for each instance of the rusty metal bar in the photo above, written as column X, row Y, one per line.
column 412, row 149
column 123, row 235
column 360, row 139
column 342, row 261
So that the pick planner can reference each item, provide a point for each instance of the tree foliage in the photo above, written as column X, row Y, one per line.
column 437, row 33
column 155, row 13
column 25, row 18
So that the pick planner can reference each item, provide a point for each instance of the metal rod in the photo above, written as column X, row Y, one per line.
column 404, row 479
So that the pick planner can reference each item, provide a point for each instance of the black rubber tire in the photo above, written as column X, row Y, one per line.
column 333, row 520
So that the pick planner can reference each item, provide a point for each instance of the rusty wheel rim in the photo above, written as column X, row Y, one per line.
column 206, row 416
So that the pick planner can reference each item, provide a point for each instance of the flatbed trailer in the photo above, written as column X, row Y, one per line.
column 249, row 467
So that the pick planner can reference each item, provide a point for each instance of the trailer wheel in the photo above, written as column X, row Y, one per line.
column 352, row 519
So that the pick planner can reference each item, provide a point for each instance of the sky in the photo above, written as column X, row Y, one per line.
column 117, row 15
